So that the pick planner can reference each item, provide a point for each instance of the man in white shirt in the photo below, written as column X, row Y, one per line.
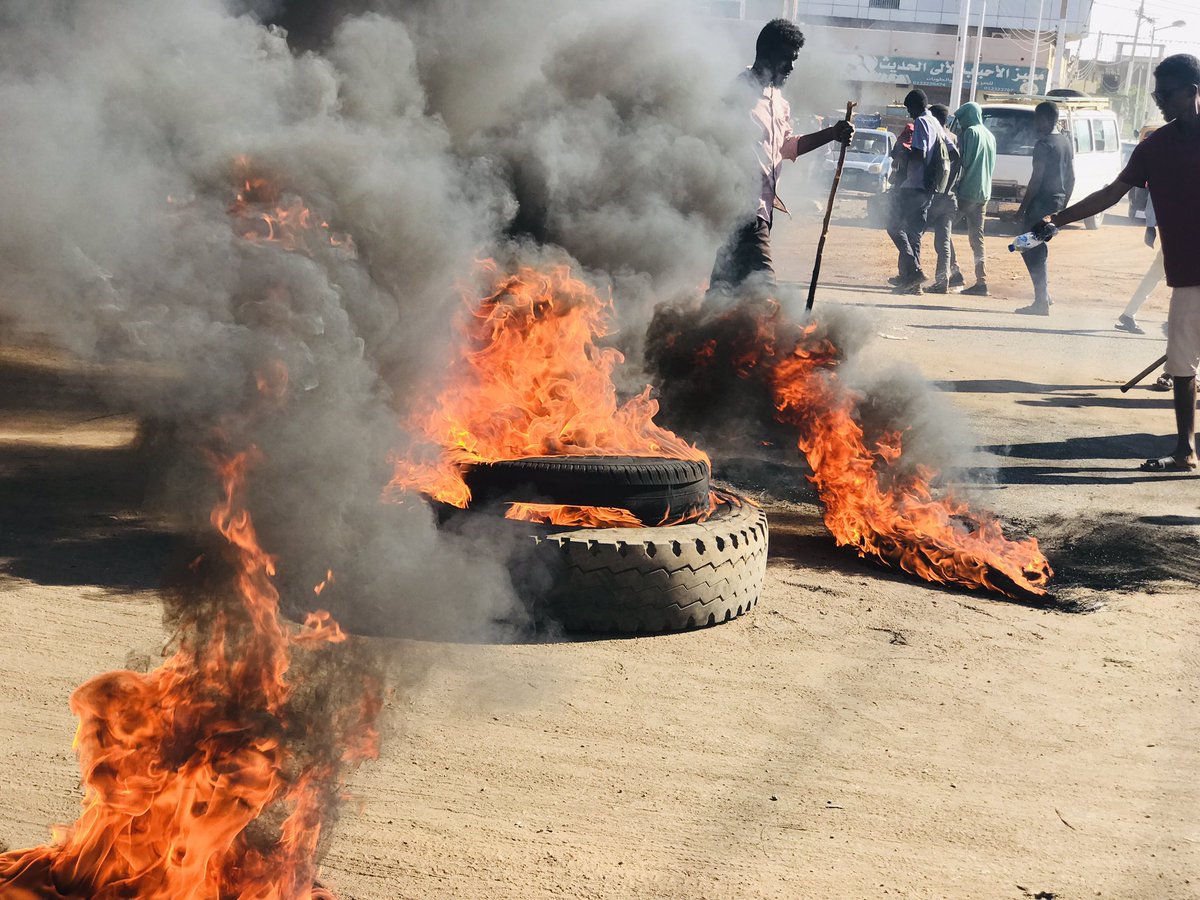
column 748, row 250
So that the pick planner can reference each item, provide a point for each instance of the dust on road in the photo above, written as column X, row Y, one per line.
column 856, row 735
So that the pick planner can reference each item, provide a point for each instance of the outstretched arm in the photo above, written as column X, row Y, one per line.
column 799, row 144
column 1096, row 202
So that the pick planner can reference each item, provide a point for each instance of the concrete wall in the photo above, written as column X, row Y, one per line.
column 887, row 42
column 1021, row 14
column 1011, row 14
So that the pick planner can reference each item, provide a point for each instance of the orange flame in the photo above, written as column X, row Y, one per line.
column 573, row 516
column 326, row 581
column 530, row 380
column 939, row 539
column 178, row 764
column 264, row 214
column 870, row 503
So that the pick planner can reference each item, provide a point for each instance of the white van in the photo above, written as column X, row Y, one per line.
column 1092, row 126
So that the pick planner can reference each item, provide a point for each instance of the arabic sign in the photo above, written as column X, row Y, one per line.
column 940, row 73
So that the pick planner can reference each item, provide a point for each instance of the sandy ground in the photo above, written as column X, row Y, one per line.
column 856, row 735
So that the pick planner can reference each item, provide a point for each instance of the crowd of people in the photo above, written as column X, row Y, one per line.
column 943, row 175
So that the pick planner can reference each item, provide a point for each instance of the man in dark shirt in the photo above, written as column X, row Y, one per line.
column 1168, row 162
column 1050, row 187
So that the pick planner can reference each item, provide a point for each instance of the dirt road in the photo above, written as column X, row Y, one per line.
column 856, row 735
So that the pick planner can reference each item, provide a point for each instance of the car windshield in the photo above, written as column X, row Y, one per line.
column 1013, row 129
column 872, row 144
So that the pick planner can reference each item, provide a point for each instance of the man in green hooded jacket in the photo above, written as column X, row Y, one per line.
column 977, row 147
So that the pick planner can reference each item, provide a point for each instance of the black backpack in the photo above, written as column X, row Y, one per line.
column 937, row 165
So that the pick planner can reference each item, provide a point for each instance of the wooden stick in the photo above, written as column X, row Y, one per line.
column 1142, row 374
column 837, row 177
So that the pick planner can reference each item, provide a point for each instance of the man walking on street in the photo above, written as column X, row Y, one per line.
column 1050, row 187
column 943, row 209
column 977, row 150
column 1167, row 162
column 914, row 196
column 748, row 250
column 1127, row 321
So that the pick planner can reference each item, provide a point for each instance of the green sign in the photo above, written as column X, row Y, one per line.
column 940, row 73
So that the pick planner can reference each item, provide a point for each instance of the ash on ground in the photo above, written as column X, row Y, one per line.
column 1113, row 552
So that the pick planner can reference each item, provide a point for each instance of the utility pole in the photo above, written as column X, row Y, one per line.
column 1133, row 53
column 960, row 53
column 1037, row 43
column 1060, row 49
column 978, row 50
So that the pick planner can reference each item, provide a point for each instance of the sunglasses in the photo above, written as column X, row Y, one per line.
column 1163, row 95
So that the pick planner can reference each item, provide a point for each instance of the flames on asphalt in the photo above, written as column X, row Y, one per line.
column 875, row 500
column 213, row 775
column 530, row 377
column 197, row 784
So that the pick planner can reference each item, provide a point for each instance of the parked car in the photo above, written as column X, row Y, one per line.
column 1093, row 128
column 868, row 161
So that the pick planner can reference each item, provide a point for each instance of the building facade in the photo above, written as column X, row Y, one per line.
column 882, row 48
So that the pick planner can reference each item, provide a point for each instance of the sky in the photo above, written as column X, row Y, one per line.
column 1119, row 17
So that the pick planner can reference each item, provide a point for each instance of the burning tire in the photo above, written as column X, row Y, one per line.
column 655, row 579
column 654, row 489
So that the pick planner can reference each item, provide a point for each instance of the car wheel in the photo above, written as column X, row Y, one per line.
column 654, row 579
column 652, row 488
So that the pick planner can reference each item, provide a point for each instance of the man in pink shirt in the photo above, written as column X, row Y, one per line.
column 748, row 250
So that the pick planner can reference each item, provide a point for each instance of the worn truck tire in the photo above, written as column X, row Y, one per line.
column 652, row 488
column 655, row 579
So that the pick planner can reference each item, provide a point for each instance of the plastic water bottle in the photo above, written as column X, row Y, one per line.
column 1029, row 239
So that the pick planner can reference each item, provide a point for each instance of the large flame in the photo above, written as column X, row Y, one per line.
column 882, row 509
column 530, row 379
column 198, row 780
column 940, row 539
column 183, row 766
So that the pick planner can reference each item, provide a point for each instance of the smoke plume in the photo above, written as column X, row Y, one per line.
column 427, row 135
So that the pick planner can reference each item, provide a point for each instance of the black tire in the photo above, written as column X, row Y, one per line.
column 655, row 579
column 652, row 488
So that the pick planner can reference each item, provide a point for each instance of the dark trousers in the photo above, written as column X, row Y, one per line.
column 942, row 211
column 910, row 214
column 746, row 253
column 1036, row 259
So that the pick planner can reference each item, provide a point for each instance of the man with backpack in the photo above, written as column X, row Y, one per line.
column 927, row 173
column 942, row 211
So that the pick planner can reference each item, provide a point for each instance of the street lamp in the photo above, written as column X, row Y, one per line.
column 1143, row 107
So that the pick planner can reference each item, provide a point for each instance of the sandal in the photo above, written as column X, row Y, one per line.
column 1167, row 464
column 1162, row 383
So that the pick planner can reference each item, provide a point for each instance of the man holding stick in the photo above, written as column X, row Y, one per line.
column 748, row 250
column 1168, row 162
